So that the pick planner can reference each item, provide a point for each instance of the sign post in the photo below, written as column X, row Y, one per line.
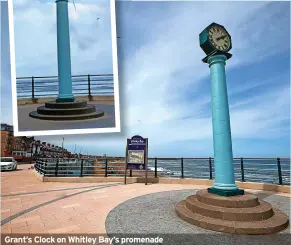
column 136, row 157
column 125, row 166
column 146, row 163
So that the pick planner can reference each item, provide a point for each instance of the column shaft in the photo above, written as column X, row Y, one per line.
column 222, row 143
column 64, row 56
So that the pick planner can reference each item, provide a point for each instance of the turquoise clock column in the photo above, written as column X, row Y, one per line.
column 64, row 56
column 65, row 107
column 223, row 157
column 242, row 212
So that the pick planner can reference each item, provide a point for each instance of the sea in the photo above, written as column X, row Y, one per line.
column 255, row 170
column 48, row 86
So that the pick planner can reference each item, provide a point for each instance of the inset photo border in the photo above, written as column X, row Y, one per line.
column 64, row 67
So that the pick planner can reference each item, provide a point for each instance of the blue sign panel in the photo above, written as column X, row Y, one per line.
column 136, row 154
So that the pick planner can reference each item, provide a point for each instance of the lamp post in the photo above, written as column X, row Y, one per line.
column 80, row 154
column 63, row 147
column 31, row 150
column 37, row 145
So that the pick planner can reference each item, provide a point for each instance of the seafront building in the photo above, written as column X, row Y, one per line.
column 19, row 147
column 23, row 148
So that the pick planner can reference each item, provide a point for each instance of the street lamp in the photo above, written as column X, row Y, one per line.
column 63, row 148
column 80, row 154
column 31, row 150
column 37, row 144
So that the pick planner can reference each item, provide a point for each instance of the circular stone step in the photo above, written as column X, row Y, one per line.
column 261, row 212
column 279, row 221
column 66, row 105
column 71, row 111
column 96, row 114
column 242, row 201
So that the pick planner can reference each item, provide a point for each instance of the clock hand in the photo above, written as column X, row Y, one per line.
column 217, row 39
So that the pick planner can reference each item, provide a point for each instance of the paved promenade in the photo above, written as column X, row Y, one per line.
column 26, row 123
column 31, row 206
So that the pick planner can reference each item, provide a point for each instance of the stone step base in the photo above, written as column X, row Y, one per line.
column 241, row 201
column 262, row 211
column 66, row 111
column 279, row 221
column 66, row 105
column 96, row 114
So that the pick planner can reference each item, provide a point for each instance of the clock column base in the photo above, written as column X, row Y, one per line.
column 216, row 52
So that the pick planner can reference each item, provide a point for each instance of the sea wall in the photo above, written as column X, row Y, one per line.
column 162, row 180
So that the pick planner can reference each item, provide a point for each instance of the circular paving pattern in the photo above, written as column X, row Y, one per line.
column 154, row 215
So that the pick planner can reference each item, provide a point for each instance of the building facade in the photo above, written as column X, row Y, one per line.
column 23, row 147
column 6, row 140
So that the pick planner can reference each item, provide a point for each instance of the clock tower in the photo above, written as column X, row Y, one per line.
column 215, row 41
column 224, row 207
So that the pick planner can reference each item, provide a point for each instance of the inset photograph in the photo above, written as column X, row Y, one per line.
column 64, row 78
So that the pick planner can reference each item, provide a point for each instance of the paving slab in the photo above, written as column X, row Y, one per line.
column 154, row 214
column 27, row 123
column 87, row 206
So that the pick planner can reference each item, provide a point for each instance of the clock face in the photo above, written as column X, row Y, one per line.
column 219, row 38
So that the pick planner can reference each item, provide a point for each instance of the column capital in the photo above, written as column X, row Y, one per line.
column 217, row 59
column 216, row 53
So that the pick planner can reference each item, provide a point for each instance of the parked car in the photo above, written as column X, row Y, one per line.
column 8, row 163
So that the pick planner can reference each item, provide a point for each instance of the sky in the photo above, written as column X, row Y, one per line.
column 6, row 95
column 165, row 87
column 35, row 37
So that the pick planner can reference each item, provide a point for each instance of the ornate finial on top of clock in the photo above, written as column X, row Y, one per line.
column 215, row 40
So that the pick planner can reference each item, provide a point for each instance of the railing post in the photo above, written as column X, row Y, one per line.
column 35, row 166
column 44, row 169
column 32, row 87
column 106, row 167
column 156, row 167
column 210, row 168
column 279, row 171
column 242, row 169
column 182, row 168
column 89, row 85
column 130, row 173
column 82, row 166
column 57, row 167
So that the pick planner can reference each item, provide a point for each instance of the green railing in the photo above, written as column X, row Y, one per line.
column 266, row 170
column 37, row 87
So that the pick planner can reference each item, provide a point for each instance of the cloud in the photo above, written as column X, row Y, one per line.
column 148, row 74
column 35, row 37
column 154, row 94
column 165, row 87
column 6, row 111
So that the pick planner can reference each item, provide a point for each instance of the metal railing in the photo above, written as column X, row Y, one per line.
column 37, row 87
column 265, row 170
